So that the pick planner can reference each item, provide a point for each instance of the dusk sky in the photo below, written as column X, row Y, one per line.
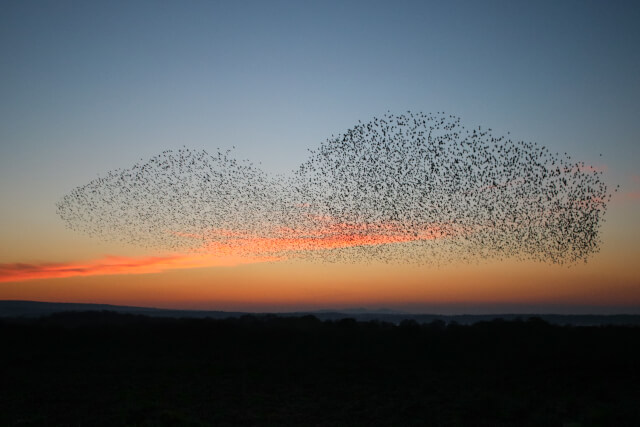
column 91, row 87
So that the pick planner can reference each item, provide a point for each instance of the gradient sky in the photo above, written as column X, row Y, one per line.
column 87, row 87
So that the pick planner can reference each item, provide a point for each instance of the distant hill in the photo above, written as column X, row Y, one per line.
column 34, row 309
column 39, row 309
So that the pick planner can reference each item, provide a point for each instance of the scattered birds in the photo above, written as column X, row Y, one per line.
column 409, row 187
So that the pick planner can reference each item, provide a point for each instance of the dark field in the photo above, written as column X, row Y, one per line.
column 103, row 368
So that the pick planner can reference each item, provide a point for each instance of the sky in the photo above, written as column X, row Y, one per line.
column 89, row 87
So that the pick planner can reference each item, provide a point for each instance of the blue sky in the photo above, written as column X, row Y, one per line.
column 278, row 77
column 87, row 86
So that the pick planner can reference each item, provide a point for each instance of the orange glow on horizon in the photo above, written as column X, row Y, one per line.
column 295, row 285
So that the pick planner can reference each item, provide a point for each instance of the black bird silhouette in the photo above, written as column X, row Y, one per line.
column 404, row 187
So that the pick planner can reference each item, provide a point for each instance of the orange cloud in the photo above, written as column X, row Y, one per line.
column 119, row 265
column 632, row 195
column 592, row 168
column 333, row 236
column 227, row 248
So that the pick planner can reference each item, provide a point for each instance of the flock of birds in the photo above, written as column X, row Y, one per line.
column 408, row 187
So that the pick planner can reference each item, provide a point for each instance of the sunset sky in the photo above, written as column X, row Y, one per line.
column 90, row 87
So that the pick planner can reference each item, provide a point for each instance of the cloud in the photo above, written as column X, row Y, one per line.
column 592, row 168
column 631, row 195
column 109, row 265
column 293, row 242
column 235, row 249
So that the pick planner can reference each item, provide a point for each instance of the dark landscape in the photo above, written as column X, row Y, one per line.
column 28, row 309
column 85, row 368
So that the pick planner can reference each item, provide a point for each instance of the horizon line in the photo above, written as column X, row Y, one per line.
column 351, row 310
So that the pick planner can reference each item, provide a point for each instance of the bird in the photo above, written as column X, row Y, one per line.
column 407, row 187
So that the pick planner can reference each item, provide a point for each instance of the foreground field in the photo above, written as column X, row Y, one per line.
column 103, row 368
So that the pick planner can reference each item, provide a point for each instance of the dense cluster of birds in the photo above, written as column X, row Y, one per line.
column 413, row 187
